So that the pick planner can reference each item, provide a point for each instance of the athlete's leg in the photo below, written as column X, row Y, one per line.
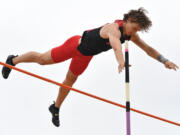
column 32, row 56
column 78, row 65
column 63, row 92
column 55, row 55
column 60, row 54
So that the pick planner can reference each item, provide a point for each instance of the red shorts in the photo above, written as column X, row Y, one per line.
column 69, row 50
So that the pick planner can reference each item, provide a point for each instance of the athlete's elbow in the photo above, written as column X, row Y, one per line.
column 117, row 49
column 149, row 50
column 114, row 48
column 149, row 53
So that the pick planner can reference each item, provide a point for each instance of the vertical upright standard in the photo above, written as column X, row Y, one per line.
column 127, row 88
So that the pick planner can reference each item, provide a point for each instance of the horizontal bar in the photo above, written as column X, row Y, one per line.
column 87, row 94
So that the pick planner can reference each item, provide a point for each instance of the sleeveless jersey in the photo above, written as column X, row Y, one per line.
column 93, row 44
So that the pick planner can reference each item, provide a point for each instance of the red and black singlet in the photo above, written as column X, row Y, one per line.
column 93, row 44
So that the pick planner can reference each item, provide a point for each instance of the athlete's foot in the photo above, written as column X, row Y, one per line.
column 5, row 70
column 55, row 114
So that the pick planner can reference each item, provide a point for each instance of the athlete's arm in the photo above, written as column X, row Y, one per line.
column 144, row 46
column 152, row 52
column 114, row 39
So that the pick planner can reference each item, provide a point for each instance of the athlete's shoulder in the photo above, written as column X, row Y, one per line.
column 112, row 28
column 115, row 25
column 119, row 22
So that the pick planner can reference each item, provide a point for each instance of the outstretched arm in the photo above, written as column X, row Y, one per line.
column 152, row 52
column 114, row 35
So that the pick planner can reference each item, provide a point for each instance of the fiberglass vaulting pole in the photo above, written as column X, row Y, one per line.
column 127, row 88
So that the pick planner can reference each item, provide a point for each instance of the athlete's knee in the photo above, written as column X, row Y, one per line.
column 70, row 77
column 45, row 58
column 42, row 60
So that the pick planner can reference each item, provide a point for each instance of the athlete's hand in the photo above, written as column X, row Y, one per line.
column 170, row 65
column 121, row 66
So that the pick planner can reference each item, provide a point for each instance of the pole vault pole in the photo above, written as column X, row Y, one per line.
column 127, row 89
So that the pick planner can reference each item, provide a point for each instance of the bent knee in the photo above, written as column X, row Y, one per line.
column 70, row 77
column 45, row 59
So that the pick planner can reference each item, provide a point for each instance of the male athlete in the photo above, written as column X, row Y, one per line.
column 82, row 49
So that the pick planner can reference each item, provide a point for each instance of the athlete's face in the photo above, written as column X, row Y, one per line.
column 131, row 28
